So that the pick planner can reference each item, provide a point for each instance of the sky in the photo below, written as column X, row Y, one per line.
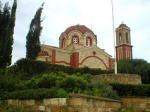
column 58, row 15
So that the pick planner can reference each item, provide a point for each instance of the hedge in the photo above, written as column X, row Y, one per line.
column 132, row 90
column 34, row 94
column 29, row 67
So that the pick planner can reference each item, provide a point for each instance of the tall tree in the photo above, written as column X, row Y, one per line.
column 11, row 33
column 33, row 41
column 7, row 21
column 4, row 26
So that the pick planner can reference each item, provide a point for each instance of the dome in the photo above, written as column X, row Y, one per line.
column 81, row 28
column 123, row 25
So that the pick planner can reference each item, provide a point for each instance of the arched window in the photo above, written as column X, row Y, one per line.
column 88, row 41
column 127, row 38
column 75, row 40
column 63, row 43
column 120, row 38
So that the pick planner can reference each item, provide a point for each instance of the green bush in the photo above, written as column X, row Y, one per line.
column 34, row 94
column 104, row 90
column 132, row 90
column 136, row 66
column 8, row 83
column 29, row 68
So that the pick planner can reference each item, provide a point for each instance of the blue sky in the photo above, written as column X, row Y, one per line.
column 95, row 14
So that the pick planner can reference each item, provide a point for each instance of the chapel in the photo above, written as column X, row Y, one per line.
column 78, row 48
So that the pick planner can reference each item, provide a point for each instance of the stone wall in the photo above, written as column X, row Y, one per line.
column 137, row 103
column 84, row 103
column 45, row 105
column 119, row 78
column 75, row 103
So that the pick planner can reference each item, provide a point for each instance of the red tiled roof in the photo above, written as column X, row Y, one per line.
column 122, row 25
column 81, row 28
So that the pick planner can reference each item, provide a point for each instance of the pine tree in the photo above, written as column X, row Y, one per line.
column 33, row 41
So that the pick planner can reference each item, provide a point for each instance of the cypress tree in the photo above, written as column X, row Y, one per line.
column 11, row 33
column 33, row 41
column 4, row 28
column 7, row 23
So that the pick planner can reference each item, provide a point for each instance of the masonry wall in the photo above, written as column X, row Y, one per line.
column 93, row 58
column 138, row 103
column 119, row 78
column 84, row 103
column 75, row 103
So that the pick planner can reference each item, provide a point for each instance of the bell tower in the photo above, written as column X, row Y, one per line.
column 123, row 43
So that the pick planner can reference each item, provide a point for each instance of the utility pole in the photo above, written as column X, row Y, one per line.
column 114, row 35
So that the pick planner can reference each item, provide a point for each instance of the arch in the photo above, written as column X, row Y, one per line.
column 43, row 53
column 127, row 38
column 75, row 39
column 120, row 38
column 94, row 57
column 88, row 41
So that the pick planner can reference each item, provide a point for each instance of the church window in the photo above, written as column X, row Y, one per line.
column 127, row 39
column 88, row 41
column 120, row 38
column 75, row 40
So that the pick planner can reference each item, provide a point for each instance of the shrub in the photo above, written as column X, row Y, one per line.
column 34, row 94
column 8, row 82
column 104, row 90
column 132, row 90
column 136, row 66
column 29, row 68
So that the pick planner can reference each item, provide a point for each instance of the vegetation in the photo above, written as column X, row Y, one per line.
column 33, row 41
column 52, row 85
column 30, row 68
column 7, row 24
column 132, row 90
column 136, row 66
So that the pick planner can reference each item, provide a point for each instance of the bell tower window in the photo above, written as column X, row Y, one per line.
column 120, row 38
column 127, row 39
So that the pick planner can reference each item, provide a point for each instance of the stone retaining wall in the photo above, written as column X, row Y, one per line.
column 137, row 103
column 119, row 78
column 75, row 103
column 84, row 103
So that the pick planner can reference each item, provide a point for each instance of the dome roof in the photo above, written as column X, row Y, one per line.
column 123, row 25
column 81, row 28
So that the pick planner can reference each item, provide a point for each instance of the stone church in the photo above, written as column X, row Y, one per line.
column 78, row 48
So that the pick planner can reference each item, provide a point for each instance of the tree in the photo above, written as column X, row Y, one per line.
column 33, row 41
column 7, row 22
column 4, row 25
column 135, row 66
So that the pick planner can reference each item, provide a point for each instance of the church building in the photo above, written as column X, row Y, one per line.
column 78, row 48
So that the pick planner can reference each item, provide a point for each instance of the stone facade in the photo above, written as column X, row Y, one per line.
column 77, row 48
column 118, row 78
